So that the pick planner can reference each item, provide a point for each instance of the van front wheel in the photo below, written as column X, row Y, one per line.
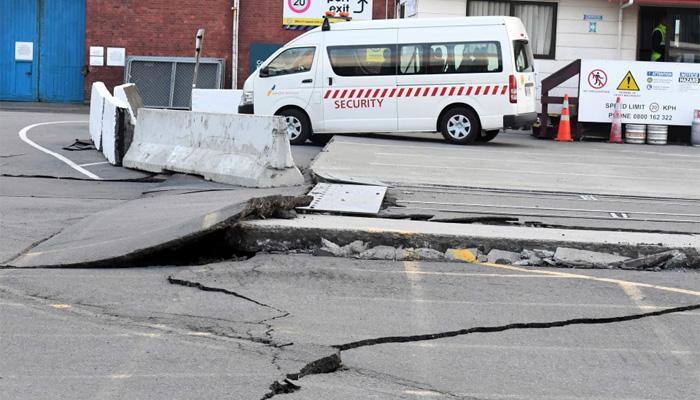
column 298, row 125
column 460, row 125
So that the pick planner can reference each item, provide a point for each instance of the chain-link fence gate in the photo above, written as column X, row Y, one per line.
column 167, row 81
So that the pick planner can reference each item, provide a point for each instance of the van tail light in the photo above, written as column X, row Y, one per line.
column 513, row 89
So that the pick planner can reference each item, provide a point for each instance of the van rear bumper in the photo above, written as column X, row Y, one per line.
column 519, row 120
column 245, row 109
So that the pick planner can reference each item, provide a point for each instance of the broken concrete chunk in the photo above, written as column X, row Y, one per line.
column 543, row 253
column 379, row 253
column 466, row 255
column 502, row 257
column 652, row 261
column 679, row 260
column 482, row 258
column 586, row 259
column 328, row 248
column 427, row 254
column 522, row 263
column 356, row 247
column 403, row 254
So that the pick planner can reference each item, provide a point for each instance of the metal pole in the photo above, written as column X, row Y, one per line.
column 234, row 46
column 199, row 39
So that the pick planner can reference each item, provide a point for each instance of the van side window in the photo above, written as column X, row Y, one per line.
column 411, row 60
column 290, row 61
column 438, row 62
column 523, row 56
column 363, row 60
column 478, row 57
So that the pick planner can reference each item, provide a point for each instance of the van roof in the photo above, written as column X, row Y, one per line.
column 511, row 23
column 420, row 23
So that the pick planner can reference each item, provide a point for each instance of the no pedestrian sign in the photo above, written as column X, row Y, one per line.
column 310, row 12
column 650, row 93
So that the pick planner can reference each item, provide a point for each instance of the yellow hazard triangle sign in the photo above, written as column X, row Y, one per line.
column 628, row 82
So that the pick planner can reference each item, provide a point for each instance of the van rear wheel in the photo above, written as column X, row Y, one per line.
column 460, row 125
column 298, row 125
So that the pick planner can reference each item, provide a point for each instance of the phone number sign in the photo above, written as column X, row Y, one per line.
column 310, row 12
column 650, row 93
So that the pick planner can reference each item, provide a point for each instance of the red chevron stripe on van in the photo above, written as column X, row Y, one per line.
column 432, row 91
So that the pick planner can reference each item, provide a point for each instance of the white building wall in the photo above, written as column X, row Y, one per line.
column 573, row 40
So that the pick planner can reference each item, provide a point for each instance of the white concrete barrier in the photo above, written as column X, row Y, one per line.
column 216, row 100
column 129, row 95
column 107, row 123
column 243, row 150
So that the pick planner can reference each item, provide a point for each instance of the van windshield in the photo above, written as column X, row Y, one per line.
column 523, row 56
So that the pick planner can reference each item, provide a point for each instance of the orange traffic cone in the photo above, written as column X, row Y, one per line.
column 564, row 131
column 616, row 129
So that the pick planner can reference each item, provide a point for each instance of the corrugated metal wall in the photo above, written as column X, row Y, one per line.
column 57, row 30
column 62, row 50
column 18, row 23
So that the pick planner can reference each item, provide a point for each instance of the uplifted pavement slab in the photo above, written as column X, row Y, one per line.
column 518, row 162
column 144, row 226
column 308, row 230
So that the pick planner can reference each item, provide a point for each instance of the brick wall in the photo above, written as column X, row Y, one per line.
column 167, row 28
column 155, row 28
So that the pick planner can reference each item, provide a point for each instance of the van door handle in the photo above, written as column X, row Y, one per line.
column 307, row 81
column 330, row 81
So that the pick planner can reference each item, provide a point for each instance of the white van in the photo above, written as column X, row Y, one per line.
column 464, row 77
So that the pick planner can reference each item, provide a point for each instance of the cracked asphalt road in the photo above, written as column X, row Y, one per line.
column 127, row 333
column 154, row 333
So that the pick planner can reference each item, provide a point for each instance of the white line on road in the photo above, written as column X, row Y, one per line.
column 23, row 136
column 93, row 163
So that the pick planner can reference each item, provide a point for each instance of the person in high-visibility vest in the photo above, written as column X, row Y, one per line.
column 658, row 41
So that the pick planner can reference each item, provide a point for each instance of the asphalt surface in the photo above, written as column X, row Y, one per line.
column 129, row 333
column 40, row 195
column 231, row 329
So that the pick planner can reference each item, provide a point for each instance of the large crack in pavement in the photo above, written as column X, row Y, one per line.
column 332, row 363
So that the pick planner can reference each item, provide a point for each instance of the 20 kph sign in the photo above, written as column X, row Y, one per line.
column 299, row 6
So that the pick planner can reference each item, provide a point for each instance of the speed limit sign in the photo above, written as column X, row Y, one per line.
column 299, row 6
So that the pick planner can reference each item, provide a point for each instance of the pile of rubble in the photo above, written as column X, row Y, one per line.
column 561, row 257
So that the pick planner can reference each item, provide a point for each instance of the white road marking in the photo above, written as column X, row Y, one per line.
column 94, row 163
column 23, row 136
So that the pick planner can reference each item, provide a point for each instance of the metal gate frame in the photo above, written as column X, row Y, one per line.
column 220, row 62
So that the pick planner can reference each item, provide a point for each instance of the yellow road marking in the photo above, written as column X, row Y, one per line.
column 588, row 277
column 462, row 254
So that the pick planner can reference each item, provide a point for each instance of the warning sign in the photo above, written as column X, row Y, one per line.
column 650, row 92
column 628, row 83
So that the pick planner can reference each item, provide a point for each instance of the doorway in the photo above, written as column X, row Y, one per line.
column 682, row 42
column 42, row 50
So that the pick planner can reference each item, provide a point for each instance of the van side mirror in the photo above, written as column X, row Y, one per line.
column 264, row 72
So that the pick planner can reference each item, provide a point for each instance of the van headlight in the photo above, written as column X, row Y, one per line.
column 247, row 98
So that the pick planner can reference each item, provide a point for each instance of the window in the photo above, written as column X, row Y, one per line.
column 450, row 58
column 478, row 57
column 411, row 60
column 290, row 61
column 523, row 58
column 540, row 20
column 365, row 60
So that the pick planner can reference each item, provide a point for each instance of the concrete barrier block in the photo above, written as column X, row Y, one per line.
column 107, row 123
column 98, row 94
column 216, row 100
column 129, row 94
column 243, row 150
